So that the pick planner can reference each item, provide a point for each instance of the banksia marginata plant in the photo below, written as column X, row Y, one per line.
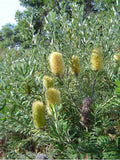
column 47, row 82
column 75, row 65
column 38, row 112
column 52, row 96
column 96, row 59
column 117, row 57
column 56, row 63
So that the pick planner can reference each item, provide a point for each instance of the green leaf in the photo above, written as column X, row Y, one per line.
column 117, row 90
column 4, row 104
column 117, row 83
column 45, row 1
column 13, row 109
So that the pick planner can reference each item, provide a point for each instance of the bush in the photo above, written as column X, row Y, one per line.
column 86, row 122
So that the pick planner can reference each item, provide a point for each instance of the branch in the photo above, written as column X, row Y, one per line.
column 106, row 103
column 108, row 100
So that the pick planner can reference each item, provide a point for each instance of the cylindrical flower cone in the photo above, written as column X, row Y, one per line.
column 52, row 96
column 96, row 59
column 75, row 65
column 56, row 63
column 38, row 112
column 47, row 82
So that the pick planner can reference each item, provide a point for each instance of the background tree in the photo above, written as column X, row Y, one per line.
column 7, row 34
column 31, row 23
column 7, row 31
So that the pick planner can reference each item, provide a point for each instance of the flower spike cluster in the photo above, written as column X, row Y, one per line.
column 52, row 95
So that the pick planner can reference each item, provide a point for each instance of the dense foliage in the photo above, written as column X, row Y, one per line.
column 65, row 134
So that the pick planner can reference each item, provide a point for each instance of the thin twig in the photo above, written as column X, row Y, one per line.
column 106, row 103
column 93, row 87
column 108, row 100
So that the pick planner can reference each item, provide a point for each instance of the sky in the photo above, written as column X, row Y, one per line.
column 8, row 9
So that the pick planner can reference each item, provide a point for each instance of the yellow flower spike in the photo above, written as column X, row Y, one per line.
column 97, row 51
column 56, row 63
column 75, row 65
column 52, row 96
column 47, row 82
column 38, row 112
column 117, row 56
column 96, row 59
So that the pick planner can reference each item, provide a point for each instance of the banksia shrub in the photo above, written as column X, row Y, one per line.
column 96, row 59
column 52, row 96
column 47, row 82
column 75, row 65
column 56, row 63
column 38, row 112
